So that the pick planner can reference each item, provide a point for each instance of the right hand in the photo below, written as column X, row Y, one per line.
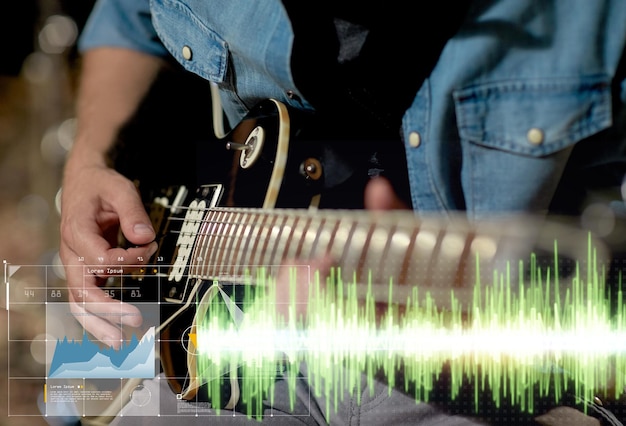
column 96, row 203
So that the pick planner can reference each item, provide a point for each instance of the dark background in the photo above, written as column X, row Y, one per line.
column 37, row 88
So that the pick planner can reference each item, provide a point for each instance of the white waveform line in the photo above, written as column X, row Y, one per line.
column 419, row 342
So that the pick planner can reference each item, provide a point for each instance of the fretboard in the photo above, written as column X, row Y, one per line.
column 435, row 254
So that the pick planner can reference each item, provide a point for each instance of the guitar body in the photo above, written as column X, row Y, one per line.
column 269, row 161
column 284, row 158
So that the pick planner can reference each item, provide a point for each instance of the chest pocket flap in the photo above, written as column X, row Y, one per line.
column 533, row 117
column 198, row 48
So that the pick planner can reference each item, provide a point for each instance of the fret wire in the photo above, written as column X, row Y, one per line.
column 373, row 260
column 431, row 252
column 230, row 239
column 343, row 236
column 325, row 238
column 278, row 253
column 264, row 240
column 361, row 266
column 249, row 254
column 219, row 261
column 395, row 254
column 409, row 262
column 462, row 260
column 269, row 245
column 305, row 248
column 210, row 259
column 386, row 265
column 450, row 255
column 352, row 258
column 274, row 235
column 292, row 251
column 318, row 232
column 240, row 250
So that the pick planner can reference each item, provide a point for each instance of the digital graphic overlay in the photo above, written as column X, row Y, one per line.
column 534, row 334
column 74, row 375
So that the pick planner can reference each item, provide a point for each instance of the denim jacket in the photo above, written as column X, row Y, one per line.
column 491, row 129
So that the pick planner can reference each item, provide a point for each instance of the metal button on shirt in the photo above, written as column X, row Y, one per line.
column 187, row 53
column 415, row 139
column 535, row 136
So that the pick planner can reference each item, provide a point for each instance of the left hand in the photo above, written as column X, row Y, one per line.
column 379, row 195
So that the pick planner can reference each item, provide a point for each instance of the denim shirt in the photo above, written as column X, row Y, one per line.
column 491, row 129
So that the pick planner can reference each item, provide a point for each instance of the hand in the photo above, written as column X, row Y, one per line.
column 96, row 202
column 379, row 195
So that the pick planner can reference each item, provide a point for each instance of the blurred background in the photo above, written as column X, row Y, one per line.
column 38, row 71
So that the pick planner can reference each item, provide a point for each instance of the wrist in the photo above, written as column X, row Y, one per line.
column 82, row 159
column 88, row 151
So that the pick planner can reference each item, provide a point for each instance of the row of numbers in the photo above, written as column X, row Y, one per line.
column 61, row 294
column 121, row 259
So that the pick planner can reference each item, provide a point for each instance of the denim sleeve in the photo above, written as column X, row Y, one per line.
column 121, row 23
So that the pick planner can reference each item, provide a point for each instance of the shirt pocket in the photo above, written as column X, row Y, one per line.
column 194, row 45
column 535, row 117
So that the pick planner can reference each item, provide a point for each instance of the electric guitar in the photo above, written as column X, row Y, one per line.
column 279, row 203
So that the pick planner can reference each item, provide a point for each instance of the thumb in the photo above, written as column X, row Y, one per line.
column 134, row 221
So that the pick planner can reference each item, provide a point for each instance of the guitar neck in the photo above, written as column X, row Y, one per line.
column 232, row 242
column 375, row 248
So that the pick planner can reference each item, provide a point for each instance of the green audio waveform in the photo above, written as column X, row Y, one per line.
column 516, row 335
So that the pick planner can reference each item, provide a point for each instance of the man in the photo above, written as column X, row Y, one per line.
column 490, row 102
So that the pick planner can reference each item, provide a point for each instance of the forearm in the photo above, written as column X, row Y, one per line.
column 113, row 83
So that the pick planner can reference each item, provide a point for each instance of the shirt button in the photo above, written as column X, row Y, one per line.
column 292, row 95
column 415, row 139
column 187, row 52
column 535, row 136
